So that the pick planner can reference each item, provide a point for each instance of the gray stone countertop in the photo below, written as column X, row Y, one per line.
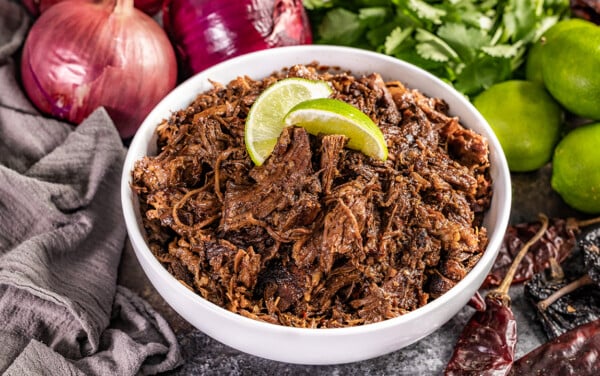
column 203, row 355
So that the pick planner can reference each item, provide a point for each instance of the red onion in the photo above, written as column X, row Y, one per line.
column 79, row 56
column 206, row 32
column 150, row 7
column 36, row 7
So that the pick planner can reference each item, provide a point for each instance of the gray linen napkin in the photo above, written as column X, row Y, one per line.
column 61, row 237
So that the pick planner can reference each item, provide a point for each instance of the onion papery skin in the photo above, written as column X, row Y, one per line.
column 80, row 56
column 206, row 32
column 36, row 7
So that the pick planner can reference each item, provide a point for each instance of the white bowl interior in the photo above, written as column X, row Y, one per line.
column 316, row 346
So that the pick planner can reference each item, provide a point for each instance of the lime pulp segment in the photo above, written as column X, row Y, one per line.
column 332, row 116
column 265, row 118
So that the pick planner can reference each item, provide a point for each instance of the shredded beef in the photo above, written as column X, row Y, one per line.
column 319, row 235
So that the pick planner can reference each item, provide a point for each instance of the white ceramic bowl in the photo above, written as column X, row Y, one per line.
column 316, row 346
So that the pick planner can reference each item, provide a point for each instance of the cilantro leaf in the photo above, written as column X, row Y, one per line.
column 373, row 16
column 519, row 19
column 316, row 4
column 481, row 74
column 468, row 43
column 377, row 36
column 433, row 48
column 470, row 13
column 394, row 41
column 423, row 10
column 505, row 51
column 465, row 40
column 340, row 26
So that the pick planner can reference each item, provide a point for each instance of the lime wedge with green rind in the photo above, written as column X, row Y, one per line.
column 333, row 116
column 265, row 118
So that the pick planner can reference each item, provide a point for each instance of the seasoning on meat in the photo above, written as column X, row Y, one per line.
column 319, row 235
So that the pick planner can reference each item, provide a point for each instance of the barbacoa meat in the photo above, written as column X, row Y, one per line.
column 319, row 235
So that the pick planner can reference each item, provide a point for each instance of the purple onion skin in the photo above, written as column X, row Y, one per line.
column 150, row 7
column 206, row 32
column 36, row 7
column 80, row 56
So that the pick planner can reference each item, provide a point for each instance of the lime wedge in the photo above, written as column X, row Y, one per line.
column 265, row 118
column 332, row 116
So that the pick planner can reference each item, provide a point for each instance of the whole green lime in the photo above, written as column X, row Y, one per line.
column 526, row 120
column 533, row 64
column 576, row 168
column 570, row 63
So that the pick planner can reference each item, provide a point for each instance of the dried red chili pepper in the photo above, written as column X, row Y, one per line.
column 477, row 302
column 487, row 344
column 575, row 352
column 557, row 243
column 568, row 297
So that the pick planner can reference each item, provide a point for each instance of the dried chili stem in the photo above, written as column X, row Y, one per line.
column 506, row 282
column 567, row 289
column 587, row 222
column 487, row 343
column 556, row 271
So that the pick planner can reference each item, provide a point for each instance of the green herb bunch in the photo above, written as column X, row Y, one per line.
column 470, row 44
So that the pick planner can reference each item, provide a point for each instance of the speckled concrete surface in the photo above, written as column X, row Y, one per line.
column 204, row 356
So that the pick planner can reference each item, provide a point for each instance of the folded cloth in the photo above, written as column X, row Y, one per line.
column 61, row 237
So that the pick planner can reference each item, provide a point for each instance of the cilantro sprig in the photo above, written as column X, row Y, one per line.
column 471, row 44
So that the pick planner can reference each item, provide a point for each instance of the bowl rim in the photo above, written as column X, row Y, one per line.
column 147, row 129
